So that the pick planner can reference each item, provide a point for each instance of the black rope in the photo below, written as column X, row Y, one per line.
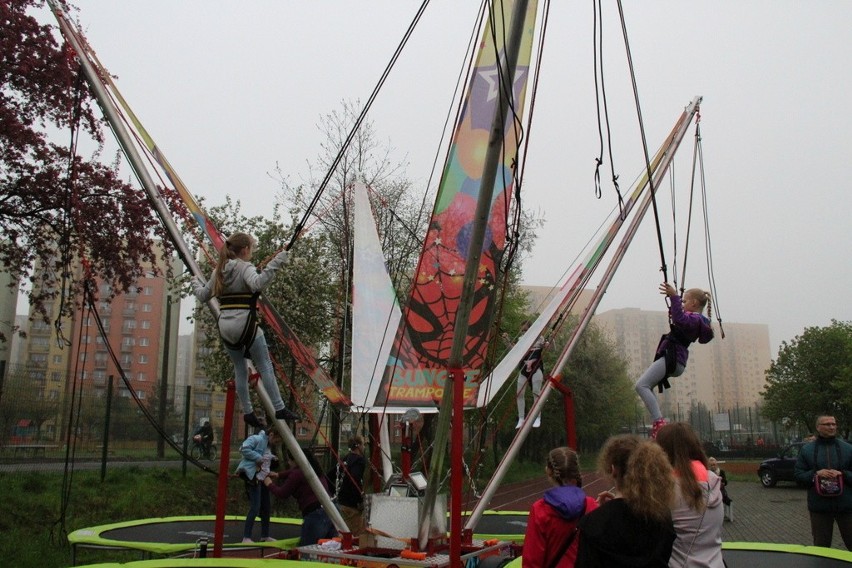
column 600, row 97
column 673, row 196
column 711, row 276
column 70, row 179
column 357, row 125
column 663, row 268
column 691, row 200
column 70, row 442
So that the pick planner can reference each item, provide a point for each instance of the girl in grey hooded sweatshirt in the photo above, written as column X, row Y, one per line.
column 236, row 282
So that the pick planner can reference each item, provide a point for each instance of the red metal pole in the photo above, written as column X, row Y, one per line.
column 224, row 468
column 568, row 405
column 456, row 459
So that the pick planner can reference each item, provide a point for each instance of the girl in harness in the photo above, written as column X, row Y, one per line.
column 237, row 283
column 688, row 324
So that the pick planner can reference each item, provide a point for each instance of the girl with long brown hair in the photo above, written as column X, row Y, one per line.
column 633, row 526
column 237, row 283
column 697, row 512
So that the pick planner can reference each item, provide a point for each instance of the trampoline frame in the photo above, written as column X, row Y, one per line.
column 93, row 537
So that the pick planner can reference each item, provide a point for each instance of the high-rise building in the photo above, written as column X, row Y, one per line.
column 141, row 329
column 8, row 308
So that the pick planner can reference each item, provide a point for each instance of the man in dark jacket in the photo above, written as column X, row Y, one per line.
column 348, row 478
column 827, row 458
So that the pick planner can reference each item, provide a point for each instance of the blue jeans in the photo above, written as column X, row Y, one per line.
column 316, row 525
column 260, row 357
column 259, row 504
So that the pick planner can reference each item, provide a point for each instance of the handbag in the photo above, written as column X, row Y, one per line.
column 824, row 486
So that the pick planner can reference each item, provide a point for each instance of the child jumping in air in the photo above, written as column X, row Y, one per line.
column 688, row 324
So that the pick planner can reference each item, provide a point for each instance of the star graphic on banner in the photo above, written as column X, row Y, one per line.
column 491, row 76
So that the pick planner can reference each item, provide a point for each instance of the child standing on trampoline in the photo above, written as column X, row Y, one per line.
column 237, row 283
column 688, row 324
column 258, row 452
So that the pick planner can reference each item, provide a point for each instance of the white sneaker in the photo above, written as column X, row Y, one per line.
column 267, row 539
column 247, row 541
column 520, row 423
column 537, row 422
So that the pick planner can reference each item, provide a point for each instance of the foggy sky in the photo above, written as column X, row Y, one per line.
column 230, row 91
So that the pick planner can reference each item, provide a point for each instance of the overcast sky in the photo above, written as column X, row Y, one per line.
column 228, row 90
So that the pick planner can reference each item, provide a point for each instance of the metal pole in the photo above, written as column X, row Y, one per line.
column 224, row 467
column 126, row 142
column 105, row 444
column 164, row 379
column 486, row 190
column 186, row 409
column 298, row 454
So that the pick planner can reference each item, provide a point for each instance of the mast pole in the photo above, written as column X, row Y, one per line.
column 126, row 141
column 127, row 144
column 452, row 406
column 488, row 493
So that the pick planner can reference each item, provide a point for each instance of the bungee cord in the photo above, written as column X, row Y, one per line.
column 600, row 97
column 653, row 189
column 340, row 154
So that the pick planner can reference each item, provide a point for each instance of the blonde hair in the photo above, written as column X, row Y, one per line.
column 642, row 475
column 233, row 247
column 703, row 299
column 682, row 446
column 564, row 466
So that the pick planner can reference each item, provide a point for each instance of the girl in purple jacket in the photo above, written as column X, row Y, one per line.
column 688, row 324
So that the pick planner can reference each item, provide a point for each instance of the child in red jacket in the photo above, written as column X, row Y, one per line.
column 550, row 540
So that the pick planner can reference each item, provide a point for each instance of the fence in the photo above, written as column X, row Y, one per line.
column 40, row 423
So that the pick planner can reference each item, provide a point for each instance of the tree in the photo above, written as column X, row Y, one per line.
column 401, row 210
column 812, row 375
column 53, row 202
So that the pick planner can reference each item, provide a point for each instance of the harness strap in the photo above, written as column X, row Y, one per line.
column 238, row 301
column 672, row 338
column 242, row 301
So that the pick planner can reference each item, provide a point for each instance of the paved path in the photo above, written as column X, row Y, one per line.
column 778, row 515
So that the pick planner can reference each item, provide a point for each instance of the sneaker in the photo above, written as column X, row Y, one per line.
column 247, row 541
column 519, row 424
column 537, row 422
column 252, row 420
column 267, row 539
column 655, row 428
column 287, row 415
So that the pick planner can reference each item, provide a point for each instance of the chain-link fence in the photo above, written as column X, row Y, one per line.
column 41, row 423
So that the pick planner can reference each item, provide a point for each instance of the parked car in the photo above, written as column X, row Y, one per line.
column 780, row 468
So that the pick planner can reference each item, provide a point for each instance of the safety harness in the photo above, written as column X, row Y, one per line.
column 242, row 301
column 674, row 337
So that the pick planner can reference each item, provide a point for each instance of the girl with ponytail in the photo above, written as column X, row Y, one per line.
column 237, row 284
column 688, row 324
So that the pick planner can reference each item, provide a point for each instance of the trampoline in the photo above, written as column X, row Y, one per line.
column 502, row 525
column 762, row 555
column 211, row 563
column 173, row 535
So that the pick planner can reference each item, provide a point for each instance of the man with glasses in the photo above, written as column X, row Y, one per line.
column 827, row 458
